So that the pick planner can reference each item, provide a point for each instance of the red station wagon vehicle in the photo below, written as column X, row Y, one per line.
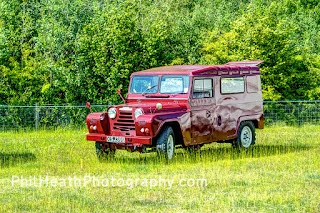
column 183, row 106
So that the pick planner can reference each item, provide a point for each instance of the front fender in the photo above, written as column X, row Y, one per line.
column 100, row 121
column 182, row 118
column 157, row 121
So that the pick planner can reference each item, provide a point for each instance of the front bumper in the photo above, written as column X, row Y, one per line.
column 146, row 140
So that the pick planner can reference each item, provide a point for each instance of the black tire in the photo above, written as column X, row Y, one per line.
column 166, row 143
column 102, row 154
column 246, row 136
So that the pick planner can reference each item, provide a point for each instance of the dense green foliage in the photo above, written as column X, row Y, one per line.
column 76, row 51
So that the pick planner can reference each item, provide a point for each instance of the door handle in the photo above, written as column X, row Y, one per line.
column 219, row 120
column 228, row 98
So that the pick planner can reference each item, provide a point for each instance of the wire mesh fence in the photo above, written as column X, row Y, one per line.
column 44, row 117
column 52, row 116
column 292, row 112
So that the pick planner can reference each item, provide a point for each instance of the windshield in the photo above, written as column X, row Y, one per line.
column 169, row 84
column 140, row 84
column 174, row 84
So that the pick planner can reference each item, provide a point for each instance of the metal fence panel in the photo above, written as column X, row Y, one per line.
column 52, row 116
column 44, row 117
column 292, row 112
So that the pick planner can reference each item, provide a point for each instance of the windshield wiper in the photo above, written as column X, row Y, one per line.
column 174, row 94
column 149, row 88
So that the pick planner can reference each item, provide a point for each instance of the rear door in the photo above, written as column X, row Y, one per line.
column 202, row 110
column 231, row 105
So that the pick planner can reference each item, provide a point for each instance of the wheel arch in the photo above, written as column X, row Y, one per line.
column 257, row 121
column 176, row 129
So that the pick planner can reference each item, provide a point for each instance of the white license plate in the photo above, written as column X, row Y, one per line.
column 112, row 139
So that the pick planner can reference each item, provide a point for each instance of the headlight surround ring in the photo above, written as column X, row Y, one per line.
column 138, row 112
column 112, row 113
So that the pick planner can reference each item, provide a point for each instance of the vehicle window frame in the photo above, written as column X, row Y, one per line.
column 203, row 78
column 174, row 75
column 131, row 81
column 244, row 85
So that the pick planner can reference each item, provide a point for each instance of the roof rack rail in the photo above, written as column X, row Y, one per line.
column 245, row 63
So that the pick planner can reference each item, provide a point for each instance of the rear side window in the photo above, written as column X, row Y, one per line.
column 232, row 85
column 203, row 88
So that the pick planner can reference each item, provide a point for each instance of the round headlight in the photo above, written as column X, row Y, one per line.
column 137, row 113
column 112, row 112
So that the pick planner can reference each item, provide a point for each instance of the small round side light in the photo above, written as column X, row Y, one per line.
column 159, row 106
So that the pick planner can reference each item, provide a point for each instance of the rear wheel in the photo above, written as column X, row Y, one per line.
column 101, row 154
column 166, row 143
column 246, row 135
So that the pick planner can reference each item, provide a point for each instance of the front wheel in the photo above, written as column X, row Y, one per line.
column 166, row 142
column 102, row 154
column 246, row 135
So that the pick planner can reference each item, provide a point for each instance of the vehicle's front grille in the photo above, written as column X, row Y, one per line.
column 124, row 122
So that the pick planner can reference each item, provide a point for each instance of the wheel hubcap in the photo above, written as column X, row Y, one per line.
column 170, row 146
column 246, row 137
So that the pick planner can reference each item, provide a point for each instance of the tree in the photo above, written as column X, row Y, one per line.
column 261, row 35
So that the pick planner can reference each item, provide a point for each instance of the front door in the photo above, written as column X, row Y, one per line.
column 202, row 110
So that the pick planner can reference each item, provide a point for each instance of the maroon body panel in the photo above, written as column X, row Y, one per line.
column 198, row 120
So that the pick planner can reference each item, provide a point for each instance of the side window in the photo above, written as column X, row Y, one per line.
column 203, row 88
column 232, row 85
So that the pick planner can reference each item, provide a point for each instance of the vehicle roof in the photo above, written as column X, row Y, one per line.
column 231, row 68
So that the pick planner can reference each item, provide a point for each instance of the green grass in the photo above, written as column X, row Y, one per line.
column 280, row 174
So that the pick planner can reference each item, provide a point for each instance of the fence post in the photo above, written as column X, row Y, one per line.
column 37, row 117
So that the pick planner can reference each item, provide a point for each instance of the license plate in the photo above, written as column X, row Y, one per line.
column 112, row 139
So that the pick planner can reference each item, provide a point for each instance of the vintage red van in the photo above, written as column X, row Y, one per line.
column 183, row 106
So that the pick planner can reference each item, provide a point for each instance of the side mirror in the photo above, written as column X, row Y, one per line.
column 119, row 93
column 88, row 105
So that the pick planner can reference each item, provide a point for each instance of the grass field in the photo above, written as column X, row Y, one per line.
column 280, row 174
